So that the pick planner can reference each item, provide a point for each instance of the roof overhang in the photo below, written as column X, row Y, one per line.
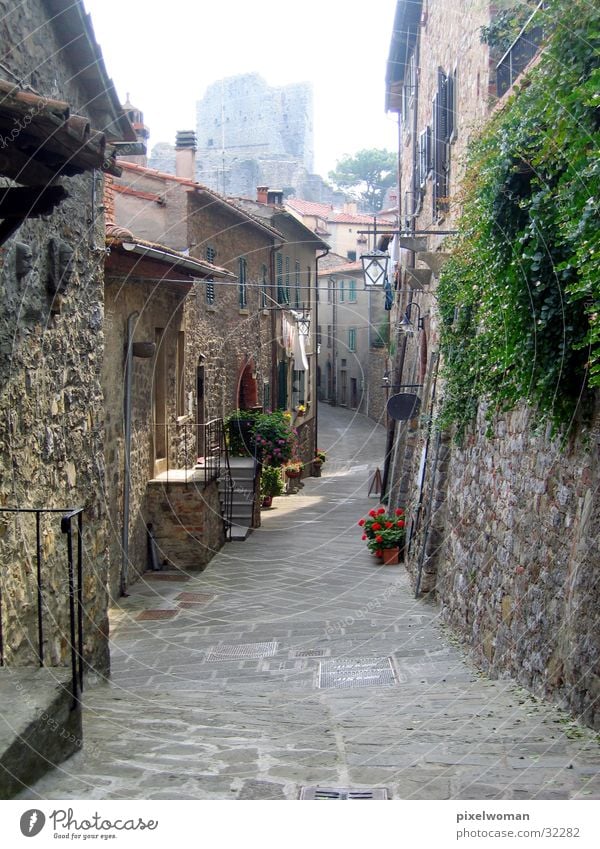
column 404, row 37
column 74, row 31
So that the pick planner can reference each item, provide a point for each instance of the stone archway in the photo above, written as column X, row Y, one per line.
column 247, row 390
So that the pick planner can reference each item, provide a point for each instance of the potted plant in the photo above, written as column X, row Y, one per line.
column 320, row 458
column 300, row 409
column 274, row 438
column 271, row 484
column 293, row 469
column 384, row 533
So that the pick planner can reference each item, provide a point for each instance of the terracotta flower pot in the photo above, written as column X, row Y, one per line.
column 390, row 556
column 292, row 474
column 267, row 501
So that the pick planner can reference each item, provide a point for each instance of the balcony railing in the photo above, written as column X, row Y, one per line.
column 198, row 452
column 521, row 52
column 47, row 602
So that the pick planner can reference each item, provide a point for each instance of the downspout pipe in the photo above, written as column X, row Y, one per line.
column 127, row 447
column 316, row 337
column 143, row 350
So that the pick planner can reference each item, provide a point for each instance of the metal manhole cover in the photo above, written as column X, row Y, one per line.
column 156, row 614
column 309, row 653
column 335, row 793
column 249, row 650
column 165, row 576
column 195, row 598
column 356, row 672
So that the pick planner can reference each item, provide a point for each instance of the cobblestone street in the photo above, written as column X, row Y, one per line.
column 221, row 700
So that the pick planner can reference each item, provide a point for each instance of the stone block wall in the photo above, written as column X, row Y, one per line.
column 157, row 307
column 186, row 521
column 51, row 407
column 518, row 571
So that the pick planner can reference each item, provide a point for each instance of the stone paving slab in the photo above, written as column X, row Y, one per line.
column 170, row 725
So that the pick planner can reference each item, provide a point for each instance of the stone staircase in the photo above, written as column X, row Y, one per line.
column 243, row 496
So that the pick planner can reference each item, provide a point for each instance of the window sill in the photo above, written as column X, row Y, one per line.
column 181, row 420
column 211, row 308
column 244, row 311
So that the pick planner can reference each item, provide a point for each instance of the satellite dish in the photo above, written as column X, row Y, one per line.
column 403, row 406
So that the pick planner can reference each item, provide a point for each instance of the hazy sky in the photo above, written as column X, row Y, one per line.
column 167, row 54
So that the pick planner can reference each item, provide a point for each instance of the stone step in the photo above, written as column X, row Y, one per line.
column 41, row 729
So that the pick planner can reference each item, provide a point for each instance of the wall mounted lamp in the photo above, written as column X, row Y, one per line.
column 407, row 325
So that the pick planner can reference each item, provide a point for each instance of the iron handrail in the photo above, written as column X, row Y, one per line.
column 75, row 584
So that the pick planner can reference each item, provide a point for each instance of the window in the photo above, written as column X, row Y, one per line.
column 298, row 388
column 180, row 388
column 352, row 290
column 441, row 151
column 342, row 291
column 263, row 287
column 242, row 287
column 210, row 291
column 329, row 336
column 352, row 338
column 330, row 291
column 210, row 255
column 424, row 156
column 319, row 334
column 297, row 286
column 280, row 291
column 351, row 256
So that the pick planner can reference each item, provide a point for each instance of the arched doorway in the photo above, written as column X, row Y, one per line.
column 247, row 388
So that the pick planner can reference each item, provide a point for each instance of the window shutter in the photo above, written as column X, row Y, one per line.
column 282, row 386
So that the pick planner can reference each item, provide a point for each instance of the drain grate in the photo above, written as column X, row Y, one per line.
column 195, row 598
column 248, row 650
column 156, row 614
column 356, row 672
column 309, row 653
column 335, row 793
column 165, row 576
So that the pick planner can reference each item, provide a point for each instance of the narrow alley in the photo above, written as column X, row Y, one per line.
column 295, row 661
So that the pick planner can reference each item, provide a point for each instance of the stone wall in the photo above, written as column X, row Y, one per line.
column 51, row 408
column 222, row 335
column 518, row 575
column 186, row 521
column 158, row 306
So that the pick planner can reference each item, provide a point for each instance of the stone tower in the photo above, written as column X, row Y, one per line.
column 250, row 134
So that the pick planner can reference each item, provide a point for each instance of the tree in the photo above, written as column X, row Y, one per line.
column 368, row 174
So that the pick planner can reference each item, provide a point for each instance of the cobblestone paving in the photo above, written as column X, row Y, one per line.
column 222, row 701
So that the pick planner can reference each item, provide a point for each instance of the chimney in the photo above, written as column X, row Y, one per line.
column 262, row 194
column 185, row 154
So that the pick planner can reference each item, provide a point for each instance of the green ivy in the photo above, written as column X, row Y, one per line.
column 520, row 298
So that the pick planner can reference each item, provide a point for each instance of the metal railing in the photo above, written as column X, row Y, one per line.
column 75, row 590
column 520, row 53
column 200, row 452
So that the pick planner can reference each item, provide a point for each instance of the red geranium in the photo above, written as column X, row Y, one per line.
column 376, row 526
column 389, row 524
column 372, row 513
column 399, row 512
column 364, row 536
column 378, row 539
column 361, row 522
column 381, row 511
column 400, row 523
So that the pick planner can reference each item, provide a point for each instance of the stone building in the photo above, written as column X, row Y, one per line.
column 55, row 90
column 252, row 134
column 353, row 334
column 503, row 529
column 295, row 264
